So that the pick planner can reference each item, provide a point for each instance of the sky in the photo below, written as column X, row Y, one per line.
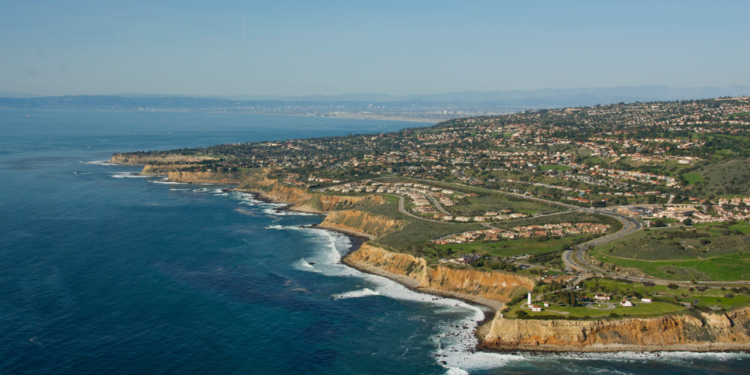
column 292, row 48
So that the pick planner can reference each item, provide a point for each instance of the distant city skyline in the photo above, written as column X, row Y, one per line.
column 334, row 48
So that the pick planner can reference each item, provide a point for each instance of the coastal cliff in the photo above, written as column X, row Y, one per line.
column 205, row 177
column 302, row 199
column 183, row 173
column 135, row 159
column 361, row 222
column 700, row 332
column 489, row 288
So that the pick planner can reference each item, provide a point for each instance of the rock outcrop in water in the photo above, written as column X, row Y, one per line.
column 699, row 332
column 463, row 283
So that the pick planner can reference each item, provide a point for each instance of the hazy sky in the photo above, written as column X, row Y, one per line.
column 393, row 47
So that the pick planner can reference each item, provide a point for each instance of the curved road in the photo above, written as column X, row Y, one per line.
column 574, row 258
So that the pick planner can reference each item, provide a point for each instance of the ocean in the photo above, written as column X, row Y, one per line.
column 103, row 271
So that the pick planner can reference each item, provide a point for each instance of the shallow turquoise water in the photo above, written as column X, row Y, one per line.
column 105, row 272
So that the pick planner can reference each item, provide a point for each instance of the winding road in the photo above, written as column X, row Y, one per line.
column 573, row 259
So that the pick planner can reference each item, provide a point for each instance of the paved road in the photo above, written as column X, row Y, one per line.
column 437, row 204
column 403, row 210
column 574, row 259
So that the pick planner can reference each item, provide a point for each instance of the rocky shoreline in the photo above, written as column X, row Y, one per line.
column 497, row 334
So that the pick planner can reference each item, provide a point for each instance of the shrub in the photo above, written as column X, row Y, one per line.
column 673, row 286
column 613, row 315
column 729, row 295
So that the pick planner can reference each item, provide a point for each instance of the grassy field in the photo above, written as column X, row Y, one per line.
column 693, row 177
column 480, row 205
column 715, row 255
column 511, row 247
column 416, row 231
column 572, row 217
column 554, row 167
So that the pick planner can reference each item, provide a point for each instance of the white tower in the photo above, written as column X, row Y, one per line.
column 529, row 299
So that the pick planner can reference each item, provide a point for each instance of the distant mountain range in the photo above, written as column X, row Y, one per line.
column 603, row 94
column 474, row 100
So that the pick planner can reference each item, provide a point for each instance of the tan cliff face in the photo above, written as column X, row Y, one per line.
column 302, row 199
column 132, row 159
column 204, row 177
column 464, row 283
column 162, row 169
column 178, row 173
column 669, row 332
column 360, row 221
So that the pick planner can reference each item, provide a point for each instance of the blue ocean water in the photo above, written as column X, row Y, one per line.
column 105, row 272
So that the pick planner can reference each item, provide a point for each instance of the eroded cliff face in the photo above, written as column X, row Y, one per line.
column 205, row 177
column 162, row 169
column 465, row 283
column 182, row 173
column 302, row 199
column 363, row 222
column 723, row 331
column 133, row 159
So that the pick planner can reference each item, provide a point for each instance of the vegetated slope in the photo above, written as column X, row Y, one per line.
column 725, row 178
column 475, row 206
column 680, row 245
column 416, row 232
column 573, row 217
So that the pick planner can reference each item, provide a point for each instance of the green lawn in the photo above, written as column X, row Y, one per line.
column 738, row 114
column 693, row 177
column 705, row 298
column 640, row 309
column 719, row 301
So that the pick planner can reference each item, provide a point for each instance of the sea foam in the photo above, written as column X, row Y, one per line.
column 356, row 294
column 97, row 162
column 129, row 175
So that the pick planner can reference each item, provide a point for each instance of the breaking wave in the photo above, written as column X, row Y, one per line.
column 97, row 162
column 356, row 294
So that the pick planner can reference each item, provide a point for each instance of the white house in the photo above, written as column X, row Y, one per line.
column 536, row 308
column 602, row 297
column 646, row 300
column 546, row 304
column 626, row 303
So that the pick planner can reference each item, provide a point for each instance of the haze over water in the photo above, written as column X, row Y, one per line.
column 105, row 272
